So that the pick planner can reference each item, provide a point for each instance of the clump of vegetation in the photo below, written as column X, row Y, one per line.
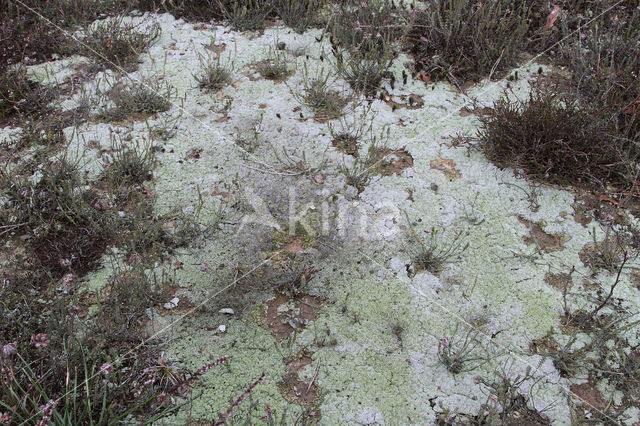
column 364, row 72
column 276, row 66
column 247, row 15
column 558, row 140
column 125, row 299
column 606, row 254
column 610, row 354
column 50, row 375
column 24, row 37
column 348, row 136
column 130, row 164
column 507, row 402
column 556, row 25
column 459, row 356
column 363, row 52
column 21, row 96
column 293, row 278
column 463, row 39
column 189, row 10
column 298, row 14
column 48, row 203
column 432, row 253
column 603, row 72
column 365, row 167
column 319, row 96
column 50, row 320
column 27, row 34
column 213, row 75
column 586, row 131
column 115, row 43
column 366, row 26
column 362, row 37
column 138, row 98
column 39, row 135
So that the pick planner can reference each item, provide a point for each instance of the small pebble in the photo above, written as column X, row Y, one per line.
column 171, row 304
column 434, row 187
column 227, row 311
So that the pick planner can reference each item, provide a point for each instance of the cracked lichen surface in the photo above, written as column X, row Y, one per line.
column 374, row 342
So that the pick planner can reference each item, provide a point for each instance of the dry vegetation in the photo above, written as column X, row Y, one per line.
column 61, row 363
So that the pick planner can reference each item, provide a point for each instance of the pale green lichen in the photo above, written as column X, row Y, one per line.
column 375, row 340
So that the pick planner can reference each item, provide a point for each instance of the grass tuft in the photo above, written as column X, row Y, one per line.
column 115, row 43
column 362, row 36
column 138, row 98
column 213, row 75
column 276, row 66
column 130, row 164
column 432, row 253
column 319, row 96
column 298, row 14
column 247, row 15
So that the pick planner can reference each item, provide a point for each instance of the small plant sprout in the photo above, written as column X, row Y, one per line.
column 289, row 164
column 365, row 167
column 318, row 95
column 459, row 356
column 606, row 254
column 432, row 253
column 297, row 166
column 213, row 75
column 346, row 136
column 276, row 66
column 249, row 140
column 472, row 213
